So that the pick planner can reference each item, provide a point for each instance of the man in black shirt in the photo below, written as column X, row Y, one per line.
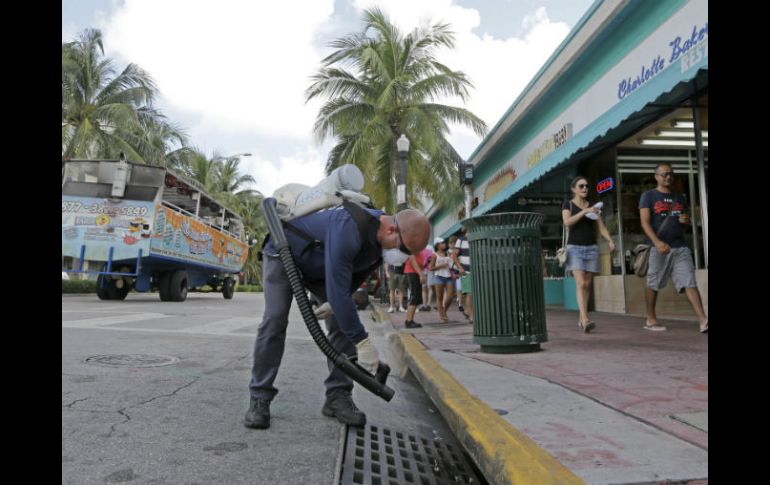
column 664, row 216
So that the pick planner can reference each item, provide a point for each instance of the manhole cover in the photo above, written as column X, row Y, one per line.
column 380, row 456
column 132, row 360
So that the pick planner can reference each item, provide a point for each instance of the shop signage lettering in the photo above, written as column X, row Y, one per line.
column 499, row 181
column 561, row 136
column 694, row 55
column 678, row 47
column 691, row 50
column 550, row 144
column 627, row 86
column 525, row 201
column 605, row 185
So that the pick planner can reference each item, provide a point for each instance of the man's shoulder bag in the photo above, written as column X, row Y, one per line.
column 641, row 254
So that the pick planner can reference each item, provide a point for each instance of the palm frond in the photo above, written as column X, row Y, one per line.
column 392, row 87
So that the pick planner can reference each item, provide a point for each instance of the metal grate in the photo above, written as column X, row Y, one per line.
column 380, row 456
column 132, row 360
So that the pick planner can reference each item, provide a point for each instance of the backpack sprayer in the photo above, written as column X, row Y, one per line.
column 295, row 200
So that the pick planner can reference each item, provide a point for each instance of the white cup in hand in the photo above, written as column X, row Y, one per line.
column 595, row 215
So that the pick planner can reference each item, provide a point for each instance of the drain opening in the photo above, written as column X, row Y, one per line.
column 369, row 458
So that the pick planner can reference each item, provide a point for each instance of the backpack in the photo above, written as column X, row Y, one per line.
column 340, row 188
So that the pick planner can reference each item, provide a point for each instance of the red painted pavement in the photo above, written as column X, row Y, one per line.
column 646, row 375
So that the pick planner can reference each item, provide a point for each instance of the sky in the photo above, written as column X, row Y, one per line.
column 233, row 73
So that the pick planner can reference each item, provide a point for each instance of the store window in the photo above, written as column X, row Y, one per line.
column 670, row 140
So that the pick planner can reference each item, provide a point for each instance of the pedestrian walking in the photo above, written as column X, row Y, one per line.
column 440, row 264
column 415, row 278
column 462, row 258
column 427, row 286
column 665, row 216
column 396, row 282
column 584, row 221
column 454, row 269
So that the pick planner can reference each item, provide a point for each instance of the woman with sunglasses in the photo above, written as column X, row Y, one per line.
column 583, row 220
column 440, row 264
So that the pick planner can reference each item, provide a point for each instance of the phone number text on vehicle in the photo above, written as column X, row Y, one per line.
column 103, row 209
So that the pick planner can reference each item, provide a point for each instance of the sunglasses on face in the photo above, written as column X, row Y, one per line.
column 582, row 186
column 666, row 174
column 401, row 246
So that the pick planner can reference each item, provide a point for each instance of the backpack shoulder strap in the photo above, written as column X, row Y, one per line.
column 311, row 241
column 361, row 216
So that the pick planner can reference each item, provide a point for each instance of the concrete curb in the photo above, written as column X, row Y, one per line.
column 503, row 454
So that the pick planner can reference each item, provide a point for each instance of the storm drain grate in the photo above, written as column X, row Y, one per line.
column 132, row 360
column 380, row 456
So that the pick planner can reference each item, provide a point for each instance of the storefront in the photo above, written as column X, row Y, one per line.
column 626, row 90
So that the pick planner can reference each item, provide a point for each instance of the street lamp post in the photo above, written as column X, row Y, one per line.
column 466, row 179
column 402, row 144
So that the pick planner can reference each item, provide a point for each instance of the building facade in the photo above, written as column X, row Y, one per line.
column 627, row 89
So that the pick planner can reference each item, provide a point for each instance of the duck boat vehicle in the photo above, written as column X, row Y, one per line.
column 148, row 228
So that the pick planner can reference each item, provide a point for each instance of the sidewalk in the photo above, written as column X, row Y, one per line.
column 620, row 405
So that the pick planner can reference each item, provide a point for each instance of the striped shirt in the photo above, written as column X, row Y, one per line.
column 465, row 253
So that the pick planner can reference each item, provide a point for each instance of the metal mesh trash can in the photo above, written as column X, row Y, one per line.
column 507, row 274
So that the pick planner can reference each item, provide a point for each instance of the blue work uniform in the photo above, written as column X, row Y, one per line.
column 331, row 270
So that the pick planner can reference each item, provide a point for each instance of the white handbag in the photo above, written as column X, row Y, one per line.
column 561, row 253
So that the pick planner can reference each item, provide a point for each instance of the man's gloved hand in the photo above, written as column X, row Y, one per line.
column 368, row 357
column 324, row 311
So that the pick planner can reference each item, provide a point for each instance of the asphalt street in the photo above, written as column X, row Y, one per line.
column 155, row 392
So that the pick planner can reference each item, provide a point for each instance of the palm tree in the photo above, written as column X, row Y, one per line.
column 229, row 178
column 255, row 227
column 103, row 114
column 158, row 140
column 195, row 165
column 391, row 90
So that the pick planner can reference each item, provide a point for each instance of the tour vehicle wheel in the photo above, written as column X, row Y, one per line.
column 178, row 286
column 228, row 288
column 118, row 293
column 102, row 287
column 163, row 284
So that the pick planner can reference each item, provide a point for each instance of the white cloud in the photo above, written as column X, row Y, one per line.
column 243, row 65
column 68, row 32
column 498, row 68
column 305, row 166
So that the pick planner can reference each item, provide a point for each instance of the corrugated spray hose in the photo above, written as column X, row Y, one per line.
column 374, row 383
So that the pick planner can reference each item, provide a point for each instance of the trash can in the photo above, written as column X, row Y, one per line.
column 507, row 274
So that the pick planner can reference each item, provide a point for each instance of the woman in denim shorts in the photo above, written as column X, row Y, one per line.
column 583, row 220
column 440, row 264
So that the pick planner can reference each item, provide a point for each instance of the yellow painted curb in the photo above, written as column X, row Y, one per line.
column 504, row 454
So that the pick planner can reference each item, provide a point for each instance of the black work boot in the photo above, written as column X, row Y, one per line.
column 339, row 404
column 258, row 415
